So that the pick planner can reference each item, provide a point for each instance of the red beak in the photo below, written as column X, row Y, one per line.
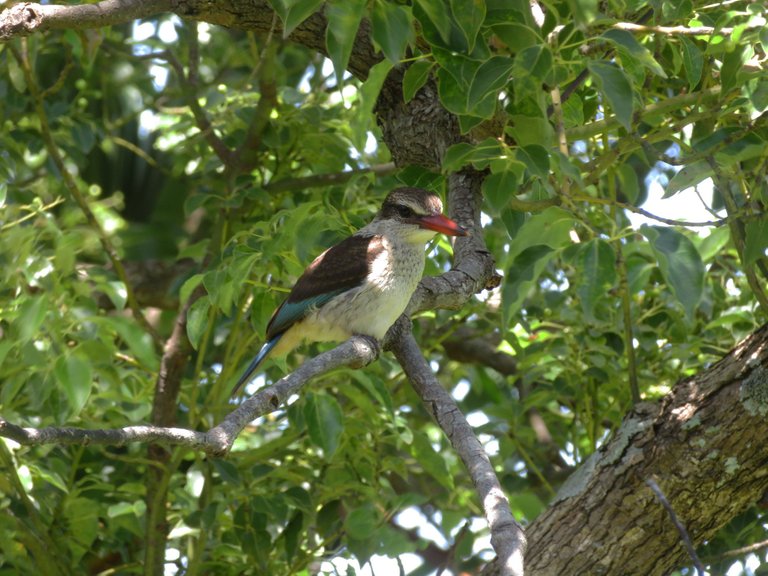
column 442, row 224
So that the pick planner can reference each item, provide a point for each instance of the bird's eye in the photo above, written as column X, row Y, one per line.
column 404, row 211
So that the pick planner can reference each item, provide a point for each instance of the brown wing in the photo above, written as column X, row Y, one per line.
column 338, row 269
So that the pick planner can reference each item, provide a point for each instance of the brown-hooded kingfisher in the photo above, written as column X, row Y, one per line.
column 362, row 284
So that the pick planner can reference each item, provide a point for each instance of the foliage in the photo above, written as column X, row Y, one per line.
column 590, row 306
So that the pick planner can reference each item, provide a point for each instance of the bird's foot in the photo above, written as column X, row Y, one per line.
column 368, row 348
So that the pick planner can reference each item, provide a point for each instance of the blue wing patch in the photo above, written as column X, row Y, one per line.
column 291, row 312
column 265, row 350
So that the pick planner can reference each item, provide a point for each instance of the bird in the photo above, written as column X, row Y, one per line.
column 361, row 285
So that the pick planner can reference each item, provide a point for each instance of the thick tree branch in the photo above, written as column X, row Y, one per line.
column 356, row 352
column 507, row 535
column 704, row 442
column 28, row 17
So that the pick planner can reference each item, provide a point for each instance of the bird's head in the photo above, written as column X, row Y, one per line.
column 417, row 214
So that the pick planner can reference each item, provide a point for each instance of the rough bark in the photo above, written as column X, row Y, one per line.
column 704, row 444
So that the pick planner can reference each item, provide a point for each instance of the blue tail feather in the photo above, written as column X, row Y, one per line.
column 265, row 350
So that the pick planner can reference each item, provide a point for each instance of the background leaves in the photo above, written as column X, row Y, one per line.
column 578, row 112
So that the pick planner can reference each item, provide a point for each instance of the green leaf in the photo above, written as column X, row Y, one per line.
column 83, row 136
column 362, row 522
column 733, row 62
column 344, row 18
column 454, row 96
column 50, row 477
column 534, row 62
column 598, row 275
column 119, row 509
column 520, row 277
column 432, row 462
column 631, row 48
column 629, row 184
column 139, row 342
column 516, row 36
column 325, row 422
column 756, row 240
column 74, row 377
column 391, row 27
column 693, row 62
column 292, row 535
column 688, row 176
column 434, row 17
column 469, row 15
column 550, row 227
column 535, row 158
column 489, row 79
column 480, row 155
column 197, row 320
column 82, row 516
column 585, row 12
column 296, row 12
column 415, row 77
column 714, row 244
column 616, row 88
column 369, row 94
column 31, row 315
column 499, row 187
column 188, row 287
column 680, row 264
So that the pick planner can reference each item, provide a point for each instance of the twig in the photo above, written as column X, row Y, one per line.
column 32, row 214
column 737, row 552
column 651, row 483
column 356, row 352
column 201, row 119
column 331, row 179
column 642, row 212
column 660, row 108
column 507, row 536
column 669, row 30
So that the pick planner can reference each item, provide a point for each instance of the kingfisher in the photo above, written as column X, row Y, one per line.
column 362, row 284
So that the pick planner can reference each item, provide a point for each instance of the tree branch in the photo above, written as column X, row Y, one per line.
column 356, row 352
column 28, row 17
column 330, row 179
column 507, row 535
